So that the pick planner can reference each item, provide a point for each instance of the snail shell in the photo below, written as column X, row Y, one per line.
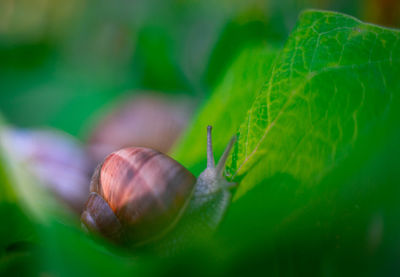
column 136, row 195
column 139, row 194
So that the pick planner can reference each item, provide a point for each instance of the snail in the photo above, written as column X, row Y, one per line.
column 138, row 195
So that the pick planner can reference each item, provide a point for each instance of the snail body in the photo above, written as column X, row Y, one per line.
column 138, row 195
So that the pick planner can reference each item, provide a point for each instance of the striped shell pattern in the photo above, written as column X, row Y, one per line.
column 147, row 191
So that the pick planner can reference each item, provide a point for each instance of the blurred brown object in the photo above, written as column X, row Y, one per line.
column 383, row 12
column 147, row 119
column 31, row 20
column 56, row 159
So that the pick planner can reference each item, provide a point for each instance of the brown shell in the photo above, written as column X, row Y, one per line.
column 146, row 189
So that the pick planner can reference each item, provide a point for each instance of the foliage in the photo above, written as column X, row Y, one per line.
column 317, row 139
column 316, row 164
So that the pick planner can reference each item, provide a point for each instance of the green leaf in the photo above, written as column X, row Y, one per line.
column 228, row 105
column 334, row 82
column 317, row 156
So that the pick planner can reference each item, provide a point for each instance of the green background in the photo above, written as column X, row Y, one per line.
column 314, row 98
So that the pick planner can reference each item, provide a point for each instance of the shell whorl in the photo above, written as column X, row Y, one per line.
column 146, row 189
column 99, row 218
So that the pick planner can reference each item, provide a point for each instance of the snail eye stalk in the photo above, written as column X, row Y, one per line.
column 210, row 154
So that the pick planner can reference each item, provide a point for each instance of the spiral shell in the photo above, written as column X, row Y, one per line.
column 146, row 190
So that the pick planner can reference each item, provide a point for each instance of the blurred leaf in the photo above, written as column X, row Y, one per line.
column 228, row 105
column 155, row 62
column 65, row 250
column 19, row 186
column 251, row 27
column 16, row 229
